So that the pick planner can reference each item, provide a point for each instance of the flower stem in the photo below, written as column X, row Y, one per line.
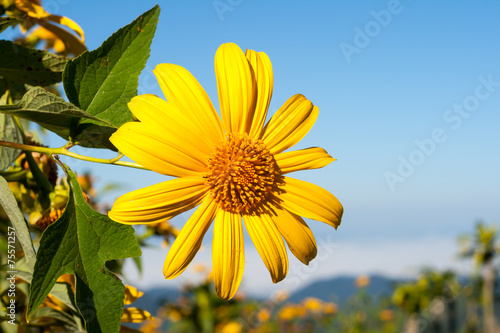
column 66, row 152
column 38, row 175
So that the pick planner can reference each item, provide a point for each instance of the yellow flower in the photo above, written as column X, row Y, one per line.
column 386, row 315
column 63, row 41
column 232, row 168
column 131, row 295
column 291, row 311
column 231, row 327
column 131, row 314
column 312, row 304
column 174, row 315
column 280, row 296
column 51, row 40
column 135, row 315
column 263, row 315
column 330, row 308
column 362, row 281
column 200, row 268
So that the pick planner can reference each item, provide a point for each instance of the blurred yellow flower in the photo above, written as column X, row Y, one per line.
column 291, row 311
column 200, row 268
column 232, row 327
column 233, row 169
column 86, row 182
column 131, row 294
column 280, row 296
column 135, row 315
column 386, row 315
column 263, row 315
column 43, row 219
column 330, row 308
column 240, row 295
column 288, row 312
column 50, row 39
column 151, row 326
column 63, row 41
column 313, row 304
column 131, row 314
column 362, row 281
column 174, row 315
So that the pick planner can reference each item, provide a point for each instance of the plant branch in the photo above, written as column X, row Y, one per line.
column 66, row 152
column 39, row 176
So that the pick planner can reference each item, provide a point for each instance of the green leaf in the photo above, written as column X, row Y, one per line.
column 8, row 132
column 22, row 233
column 80, row 242
column 104, row 80
column 67, row 321
column 55, row 114
column 11, row 92
column 23, row 269
column 26, row 65
column 8, row 128
column 14, row 175
column 6, row 22
column 61, row 290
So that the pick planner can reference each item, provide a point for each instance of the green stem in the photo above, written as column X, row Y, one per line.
column 488, row 298
column 66, row 152
column 148, row 233
column 20, row 127
column 38, row 175
column 117, row 158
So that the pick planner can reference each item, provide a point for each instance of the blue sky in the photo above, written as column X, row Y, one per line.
column 389, row 78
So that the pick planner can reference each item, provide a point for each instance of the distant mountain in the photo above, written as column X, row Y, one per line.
column 339, row 289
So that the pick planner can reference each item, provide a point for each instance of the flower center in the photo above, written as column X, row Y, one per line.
column 242, row 174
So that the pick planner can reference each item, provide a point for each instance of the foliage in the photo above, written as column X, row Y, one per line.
column 482, row 246
column 80, row 243
column 66, row 284
column 26, row 65
column 65, row 256
column 103, row 81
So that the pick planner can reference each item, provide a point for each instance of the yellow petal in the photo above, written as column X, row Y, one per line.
column 168, row 119
column 181, row 88
column 51, row 40
column 157, row 151
column 42, row 33
column 263, row 71
column 72, row 43
column 237, row 88
column 135, row 315
column 232, row 327
column 310, row 201
column 309, row 158
column 228, row 257
column 289, row 124
column 158, row 202
column 31, row 8
column 59, row 46
column 189, row 240
column 68, row 23
column 67, row 278
column 131, row 294
column 269, row 244
column 297, row 235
